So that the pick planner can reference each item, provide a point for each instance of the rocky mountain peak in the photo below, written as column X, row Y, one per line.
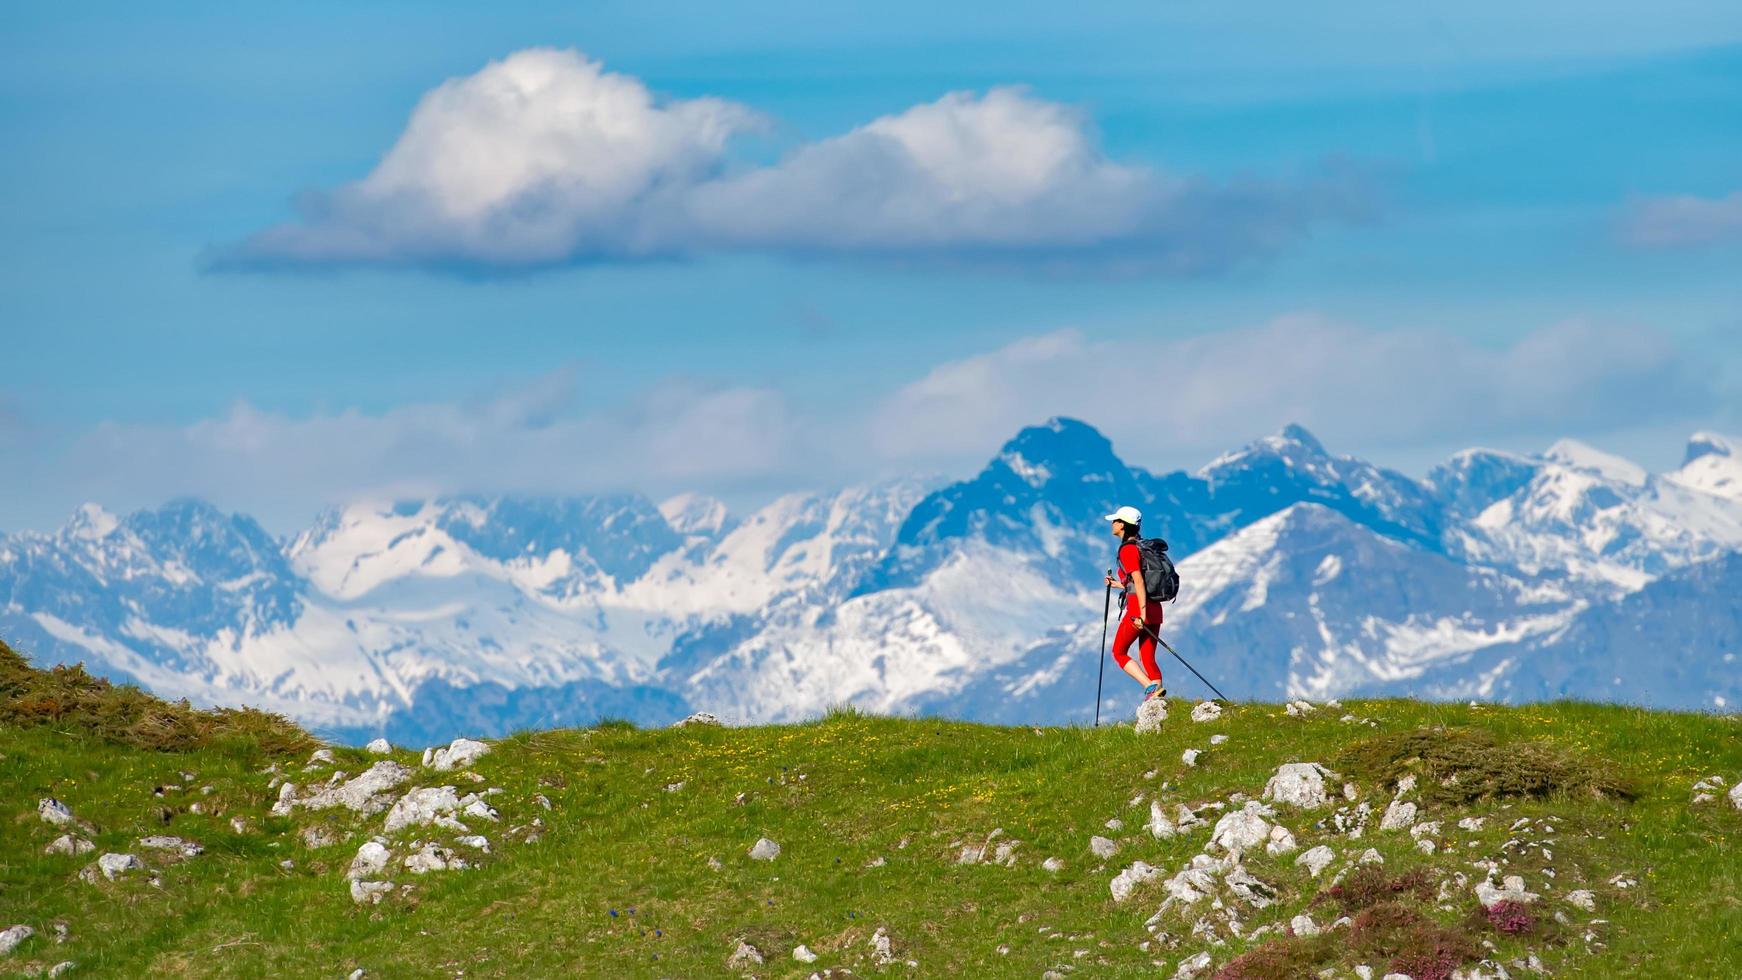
column 1061, row 448
column 1712, row 444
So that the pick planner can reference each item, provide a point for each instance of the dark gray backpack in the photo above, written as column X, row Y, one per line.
column 1160, row 578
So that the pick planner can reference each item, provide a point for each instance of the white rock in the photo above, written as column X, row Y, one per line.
column 379, row 746
column 1206, row 711
column 1370, row 856
column 12, row 937
column 477, row 842
column 321, row 757
column 61, row 969
column 1192, row 966
column 1103, row 848
column 1218, row 739
column 803, row 954
column 1125, row 882
column 1398, row 816
column 1316, row 859
column 745, row 955
column 1428, row 829
column 370, row 892
column 474, row 806
column 764, row 850
column 881, row 947
column 1510, row 889
column 1190, row 886
column 434, row 857
column 1303, row 925
column 1583, row 898
column 1406, row 784
column 1190, row 756
column 1249, row 889
column 315, row 837
column 1472, row 824
column 68, row 844
column 1160, row 827
column 459, row 753
column 186, row 848
column 54, row 811
column 1299, row 784
column 1151, row 715
column 371, row 859
column 116, row 864
column 699, row 718
column 1281, row 842
column 1053, row 864
column 286, row 800
column 420, row 807
column 1397, row 976
column 1426, row 845
column 1240, row 831
column 1115, row 825
column 1736, row 795
column 1299, row 709
column 1364, row 971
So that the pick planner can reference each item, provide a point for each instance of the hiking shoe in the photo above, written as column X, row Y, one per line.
column 1154, row 691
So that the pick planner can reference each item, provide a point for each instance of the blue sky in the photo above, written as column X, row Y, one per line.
column 1410, row 229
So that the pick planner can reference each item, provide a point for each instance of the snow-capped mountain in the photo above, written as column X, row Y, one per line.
column 1569, row 573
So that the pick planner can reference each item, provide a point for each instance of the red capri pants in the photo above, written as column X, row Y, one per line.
column 1145, row 642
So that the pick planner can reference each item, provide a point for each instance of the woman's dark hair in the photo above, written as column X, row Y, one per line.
column 1133, row 530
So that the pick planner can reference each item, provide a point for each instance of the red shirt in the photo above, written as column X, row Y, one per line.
column 1131, row 563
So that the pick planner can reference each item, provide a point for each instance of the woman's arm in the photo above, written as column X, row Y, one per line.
column 1137, row 590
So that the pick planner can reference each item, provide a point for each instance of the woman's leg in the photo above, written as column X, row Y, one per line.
column 1146, row 646
column 1122, row 641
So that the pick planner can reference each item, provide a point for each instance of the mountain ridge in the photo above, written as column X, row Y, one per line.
column 960, row 598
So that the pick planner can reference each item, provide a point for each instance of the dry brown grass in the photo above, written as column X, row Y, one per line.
column 71, row 700
column 1459, row 766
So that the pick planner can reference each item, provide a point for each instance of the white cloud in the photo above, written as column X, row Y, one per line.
column 545, row 158
column 678, row 435
column 1364, row 387
column 1159, row 399
column 540, row 157
column 1684, row 221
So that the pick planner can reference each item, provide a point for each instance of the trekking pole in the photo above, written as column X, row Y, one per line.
column 1157, row 638
column 1106, row 607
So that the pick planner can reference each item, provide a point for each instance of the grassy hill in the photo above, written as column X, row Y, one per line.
column 639, row 866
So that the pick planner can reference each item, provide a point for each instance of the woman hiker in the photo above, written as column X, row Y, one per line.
column 1140, row 617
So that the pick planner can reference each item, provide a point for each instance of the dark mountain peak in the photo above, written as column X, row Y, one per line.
column 1292, row 445
column 1060, row 447
column 186, row 525
column 1475, row 479
column 1711, row 444
column 1294, row 434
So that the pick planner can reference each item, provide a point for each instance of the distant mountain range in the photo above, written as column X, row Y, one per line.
column 1567, row 574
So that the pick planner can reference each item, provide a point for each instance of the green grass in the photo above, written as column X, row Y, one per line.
column 835, row 794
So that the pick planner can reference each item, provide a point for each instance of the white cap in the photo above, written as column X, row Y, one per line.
column 1129, row 515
